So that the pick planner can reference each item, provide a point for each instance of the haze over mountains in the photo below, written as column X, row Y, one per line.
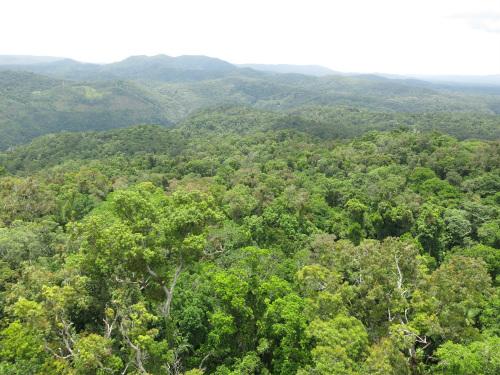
column 40, row 95
column 36, row 64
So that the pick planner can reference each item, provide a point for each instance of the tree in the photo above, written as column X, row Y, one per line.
column 253, row 312
column 30, row 241
column 479, row 357
column 489, row 255
column 489, row 234
column 147, row 238
column 429, row 228
column 458, row 228
column 286, row 324
column 342, row 345
column 448, row 304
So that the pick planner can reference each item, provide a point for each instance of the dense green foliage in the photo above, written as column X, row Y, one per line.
column 325, row 123
column 302, row 225
column 249, row 242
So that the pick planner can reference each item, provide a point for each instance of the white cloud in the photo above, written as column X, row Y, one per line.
column 489, row 22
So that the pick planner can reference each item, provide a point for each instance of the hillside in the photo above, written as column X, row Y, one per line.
column 32, row 105
column 66, row 95
column 319, row 123
column 243, row 216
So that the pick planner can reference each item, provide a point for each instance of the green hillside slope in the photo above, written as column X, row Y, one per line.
column 164, row 90
column 32, row 105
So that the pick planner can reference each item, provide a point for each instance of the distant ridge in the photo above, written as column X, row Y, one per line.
column 313, row 70
column 160, row 68
column 197, row 68
column 196, row 62
column 493, row 79
column 27, row 60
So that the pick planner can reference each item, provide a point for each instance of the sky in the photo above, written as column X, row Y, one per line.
column 427, row 37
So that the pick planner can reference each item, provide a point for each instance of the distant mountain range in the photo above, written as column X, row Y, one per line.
column 313, row 70
column 27, row 60
column 168, row 69
column 419, row 80
column 160, row 68
column 41, row 95
column 489, row 80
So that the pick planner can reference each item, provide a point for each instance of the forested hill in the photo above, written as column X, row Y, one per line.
column 32, row 105
column 340, row 122
column 242, row 242
column 164, row 90
column 324, row 123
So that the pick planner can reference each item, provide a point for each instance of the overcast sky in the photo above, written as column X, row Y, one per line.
column 385, row 36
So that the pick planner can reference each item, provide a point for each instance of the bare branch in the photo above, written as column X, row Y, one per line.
column 126, row 367
column 65, row 333
column 142, row 283
column 400, row 278
column 137, row 358
column 169, row 292
column 46, row 347
column 406, row 314
column 423, row 348
column 417, row 337
column 109, row 326
column 151, row 272
column 204, row 359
